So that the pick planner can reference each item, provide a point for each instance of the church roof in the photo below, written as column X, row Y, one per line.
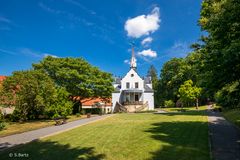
column 117, row 80
column 147, row 80
column 117, row 89
column 147, row 88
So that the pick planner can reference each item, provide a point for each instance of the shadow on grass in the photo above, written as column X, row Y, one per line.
column 185, row 113
column 49, row 150
column 181, row 140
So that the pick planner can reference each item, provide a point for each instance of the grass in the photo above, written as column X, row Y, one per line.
column 233, row 116
column 175, row 109
column 168, row 136
column 17, row 127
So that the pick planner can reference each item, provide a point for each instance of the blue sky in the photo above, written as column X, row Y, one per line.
column 98, row 31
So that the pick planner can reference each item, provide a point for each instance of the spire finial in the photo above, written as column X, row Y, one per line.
column 133, row 63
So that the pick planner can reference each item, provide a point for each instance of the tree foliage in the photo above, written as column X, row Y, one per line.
column 169, row 103
column 214, row 64
column 32, row 93
column 174, row 73
column 221, row 49
column 189, row 93
column 78, row 76
column 152, row 72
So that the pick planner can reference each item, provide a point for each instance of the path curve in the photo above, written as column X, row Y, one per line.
column 22, row 138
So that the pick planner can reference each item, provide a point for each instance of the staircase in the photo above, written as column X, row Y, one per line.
column 142, row 108
column 119, row 108
column 130, row 108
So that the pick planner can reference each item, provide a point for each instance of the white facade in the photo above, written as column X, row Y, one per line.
column 132, row 91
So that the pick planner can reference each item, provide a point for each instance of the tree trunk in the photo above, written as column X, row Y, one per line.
column 80, row 106
column 197, row 103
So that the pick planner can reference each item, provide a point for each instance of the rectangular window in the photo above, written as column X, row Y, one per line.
column 136, row 84
column 127, row 85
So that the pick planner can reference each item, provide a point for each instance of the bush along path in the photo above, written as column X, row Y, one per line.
column 224, row 137
column 22, row 138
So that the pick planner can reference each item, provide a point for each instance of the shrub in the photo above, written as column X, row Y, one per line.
column 15, row 116
column 169, row 103
column 229, row 95
column 78, row 115
column 83, row 111
column 2, row 123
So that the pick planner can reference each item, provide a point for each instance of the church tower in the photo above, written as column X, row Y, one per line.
column 133, row 62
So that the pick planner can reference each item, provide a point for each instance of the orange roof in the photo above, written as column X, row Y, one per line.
column 92, row 101
column 2, row 78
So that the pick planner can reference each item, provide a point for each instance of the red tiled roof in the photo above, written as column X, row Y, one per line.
column 2, row 78
column 90, row 101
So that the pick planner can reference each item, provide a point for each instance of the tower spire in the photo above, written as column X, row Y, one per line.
column 133, row 63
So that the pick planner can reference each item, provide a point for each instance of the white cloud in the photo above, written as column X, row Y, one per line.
column 143, row 24
column 32, row 53
column 7, row 52
column 148, row 53
column 146, row 41
column 179, row 49
column 47, row 54
column 29, row 52
column 126, row 61
column 5, row 20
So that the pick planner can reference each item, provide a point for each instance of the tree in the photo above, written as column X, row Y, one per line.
column 78, row 77
column 173, row 74
column 168, row 84
column 169, row 103
column 189, row 93
column 32, row 93
column 221, row 47
column 152, row 72
column 62, row 106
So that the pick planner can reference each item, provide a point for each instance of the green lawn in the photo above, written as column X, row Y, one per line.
column 233, row 116
column 175, row 109
column 170, row 136
column 17, row 127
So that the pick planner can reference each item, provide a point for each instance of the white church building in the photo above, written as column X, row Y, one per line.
column 132, row 93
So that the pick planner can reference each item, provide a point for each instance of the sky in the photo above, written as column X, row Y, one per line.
column 101, row 32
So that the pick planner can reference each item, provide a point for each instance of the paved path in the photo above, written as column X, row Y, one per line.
column 29, row 136
column 224, row 138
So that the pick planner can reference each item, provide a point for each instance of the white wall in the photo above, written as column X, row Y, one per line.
column 148, row 97
column 115, row 98
column 132, row 80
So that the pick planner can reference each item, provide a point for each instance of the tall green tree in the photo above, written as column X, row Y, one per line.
column 152, row 72
column 221, row 47
column 168, row 85
column 78, row 77
column 32, row 93
column 189, row 93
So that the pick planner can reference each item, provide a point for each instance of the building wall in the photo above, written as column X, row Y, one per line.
column 132, row 80
column 148, row 97
column 115, row 99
